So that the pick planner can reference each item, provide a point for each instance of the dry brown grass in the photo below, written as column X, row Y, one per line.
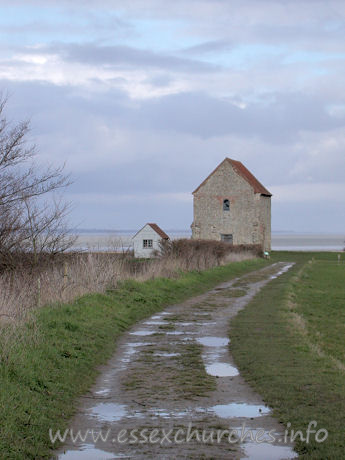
column 64, row 279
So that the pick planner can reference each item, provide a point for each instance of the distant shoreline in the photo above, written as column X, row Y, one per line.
column 105, row 240
column 96, row 231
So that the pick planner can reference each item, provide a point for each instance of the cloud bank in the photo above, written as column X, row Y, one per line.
column 144, row 99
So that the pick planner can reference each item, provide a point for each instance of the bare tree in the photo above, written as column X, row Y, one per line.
column 45, row 228
column 27, row 222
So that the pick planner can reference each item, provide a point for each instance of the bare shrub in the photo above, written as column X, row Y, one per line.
column 204, row 254
column 64, row 278
column 17, row 294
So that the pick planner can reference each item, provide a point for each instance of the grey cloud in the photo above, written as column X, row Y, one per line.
column 315, row 217
column 71, row 21
column 307, row 24
column 315, row 36
column 198, row 114
column 209, row 47
column 175, row 142
column 113, row 143
column 113, row 56
column 66, row 27
column 277, row 118
column 160, row 81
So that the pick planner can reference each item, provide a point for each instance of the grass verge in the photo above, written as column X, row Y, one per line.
column 58, row 353
column 289, row 345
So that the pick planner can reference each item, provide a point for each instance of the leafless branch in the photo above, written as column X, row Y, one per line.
column 27, row 223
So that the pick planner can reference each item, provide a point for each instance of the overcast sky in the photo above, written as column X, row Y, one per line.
column 143, row 99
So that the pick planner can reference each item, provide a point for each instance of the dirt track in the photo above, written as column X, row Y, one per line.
column 174, row 373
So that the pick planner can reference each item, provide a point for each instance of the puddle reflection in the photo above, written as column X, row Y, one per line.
column 213, row 341
column 143, row 332
column 267, row 451
column 154, row 323
column 102, row 392
column 109, row 412
column 283, row 270
column 239, row 410
column 221, row 370
column 88, row 452
column 167, row 355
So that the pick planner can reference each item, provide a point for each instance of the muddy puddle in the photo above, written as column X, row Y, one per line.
column 242, row 410
column 89, row 452
column 266, row 451
column 222, row 370
column 109, row 412
column 154, row 323
column 213, row 341
column 143, row 332
column 174, row 373
column 280, row 272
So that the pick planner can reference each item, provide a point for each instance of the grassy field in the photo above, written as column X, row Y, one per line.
column 289, row 344
column 53, row 359
column 293, row 355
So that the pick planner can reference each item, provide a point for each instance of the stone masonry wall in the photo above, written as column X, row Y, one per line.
column 248, row 219
column 265, row 221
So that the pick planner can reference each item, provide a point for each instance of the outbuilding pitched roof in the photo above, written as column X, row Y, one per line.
column 242, row 171
column 157, row 229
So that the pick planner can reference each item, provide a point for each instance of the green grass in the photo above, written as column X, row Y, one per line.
column 56, row 359
column 192, row 380
column 289, row 344
column 179, row 377
column 321, row 302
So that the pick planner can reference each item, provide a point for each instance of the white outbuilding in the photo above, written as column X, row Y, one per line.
column 147, row 240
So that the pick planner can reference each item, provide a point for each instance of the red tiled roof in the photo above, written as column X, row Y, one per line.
column 252, row 180
column 242, row 171
column 158, row 230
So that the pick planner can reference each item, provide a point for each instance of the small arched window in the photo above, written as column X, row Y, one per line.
column 226, row 205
